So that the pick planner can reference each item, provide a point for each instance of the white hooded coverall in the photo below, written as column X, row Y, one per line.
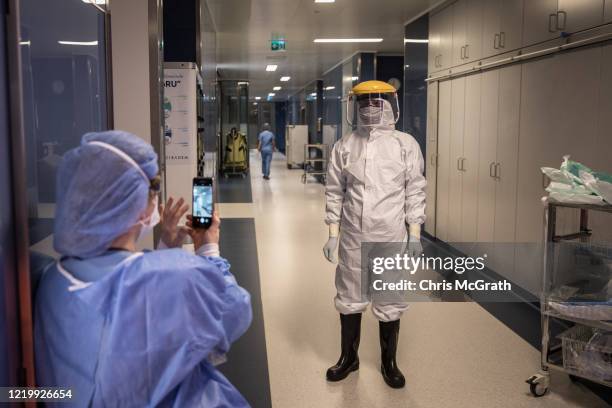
column 375, row 186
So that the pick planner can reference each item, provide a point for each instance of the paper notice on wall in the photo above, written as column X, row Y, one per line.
column 180, row 115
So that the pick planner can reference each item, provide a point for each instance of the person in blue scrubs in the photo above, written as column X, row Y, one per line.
column 123, row 328
column 266, row 148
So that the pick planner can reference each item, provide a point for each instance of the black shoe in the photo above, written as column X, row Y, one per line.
column 349, row 360
column 389, row 335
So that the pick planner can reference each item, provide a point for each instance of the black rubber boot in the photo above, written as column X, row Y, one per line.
column 349, row 360
column 389, row 336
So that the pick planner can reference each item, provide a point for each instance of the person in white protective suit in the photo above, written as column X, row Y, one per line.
column 374, row 193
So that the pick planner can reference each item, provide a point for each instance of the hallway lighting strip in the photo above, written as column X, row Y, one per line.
column 416, row 40
column 78, row 42
column 348, row 40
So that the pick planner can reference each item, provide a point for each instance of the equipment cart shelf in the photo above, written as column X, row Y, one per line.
column 550, row 359
column 316, row 157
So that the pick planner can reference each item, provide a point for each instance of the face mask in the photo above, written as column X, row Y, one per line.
column 150, row 223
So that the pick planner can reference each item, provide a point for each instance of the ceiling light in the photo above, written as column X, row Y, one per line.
column 407, row 66
column 416, row 40
column 354, row 78
column 348, row 40
column 25, row 43
column 271, row 94
column 277, row 88
column 271, row 68
column 285, row 78
column 325, row 1
column 255, row 103
column 258, row 98
column 330, row 88
column 314, row 94
column 100, row 2
column 242, row 83
column 78, row 42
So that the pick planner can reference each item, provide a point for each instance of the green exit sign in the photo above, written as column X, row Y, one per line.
column 278, row 45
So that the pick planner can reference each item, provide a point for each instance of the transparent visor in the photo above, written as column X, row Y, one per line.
column 376, row 109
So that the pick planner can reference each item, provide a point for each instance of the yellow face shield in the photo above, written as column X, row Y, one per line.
column 373, row 104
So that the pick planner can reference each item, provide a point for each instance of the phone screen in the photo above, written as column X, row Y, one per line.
column 202, row 202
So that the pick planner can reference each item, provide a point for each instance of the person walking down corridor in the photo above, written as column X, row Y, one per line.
column 266, row 147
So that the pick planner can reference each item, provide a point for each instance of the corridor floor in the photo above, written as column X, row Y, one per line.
column 452, row 354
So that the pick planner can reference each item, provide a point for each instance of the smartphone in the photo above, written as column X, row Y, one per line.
column 203, row 203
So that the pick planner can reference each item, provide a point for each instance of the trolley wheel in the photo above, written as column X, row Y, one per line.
column 538, row 384
column 538, row 390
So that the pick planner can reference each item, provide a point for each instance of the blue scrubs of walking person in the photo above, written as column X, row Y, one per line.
column 266, row 147
column 123, row 328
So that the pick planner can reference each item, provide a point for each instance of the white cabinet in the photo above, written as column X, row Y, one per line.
column 469, row 163
column 441, row 40
column 608, row 11
column 443, row 202
column 578, row 15
column 467, row 31
column 502, row 26
column 431, row 157
column 547, row 19
column 433, row 46
column 540, row 21
column 457, row 129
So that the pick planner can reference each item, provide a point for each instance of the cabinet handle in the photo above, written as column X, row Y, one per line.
column 502, row 39
column 463, row 164
column 561, row 27
column 459, row 163
column 440, row 61
column 552, row 27
column 491, row 171
column 498, row 171
column 467, row 51
column 462, row 52
column 495, row 41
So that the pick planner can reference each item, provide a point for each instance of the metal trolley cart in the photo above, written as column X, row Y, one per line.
column 561, row 356
column 316, row 157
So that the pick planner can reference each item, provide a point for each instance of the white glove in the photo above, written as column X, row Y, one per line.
column 414, row 247
column 329, row 250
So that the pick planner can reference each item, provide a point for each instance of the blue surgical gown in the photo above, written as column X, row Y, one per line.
column 139, row 330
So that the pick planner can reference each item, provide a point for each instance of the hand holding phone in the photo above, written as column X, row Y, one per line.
column 203, row 203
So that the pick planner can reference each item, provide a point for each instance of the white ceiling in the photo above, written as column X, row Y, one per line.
column 245, row 28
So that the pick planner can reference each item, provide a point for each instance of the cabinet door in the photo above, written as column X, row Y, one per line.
column 469, row 190
column 460, row 10
column 539, row 21
column 475, row 9
column 575, row 115
column 431, row 157
column 536, row 114
column 487, row 155
column 435, row 22
column 444, row 161
column 507, row 159
column 511, row 25
column 578, row 15
column 608, row 11
column 491, row 26
column 456, row 154
column 445, row 59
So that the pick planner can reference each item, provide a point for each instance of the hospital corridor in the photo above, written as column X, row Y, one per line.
column 306, row 203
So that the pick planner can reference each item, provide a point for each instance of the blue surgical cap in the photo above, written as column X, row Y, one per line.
column 102, row 190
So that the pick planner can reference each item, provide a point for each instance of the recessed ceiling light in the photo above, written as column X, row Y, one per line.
column 25, row 43
column 416, row 40
column 407, row 66
column 348, row 40
column 330, row 88
column 325, row 1
column 78, row 42
column 277, row 88
column 314, row 94
column 271, row 94
column 354, row 78
column 285, row 78
column 242, row 83
column 100, row 2
column 271, row 68
column 258, row 98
